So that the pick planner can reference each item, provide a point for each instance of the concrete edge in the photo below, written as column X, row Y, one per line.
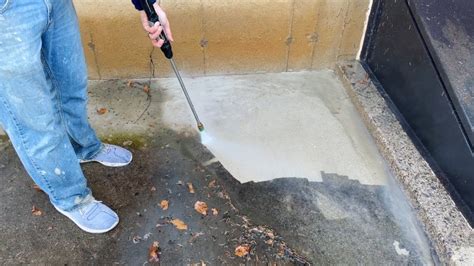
column 446, row 227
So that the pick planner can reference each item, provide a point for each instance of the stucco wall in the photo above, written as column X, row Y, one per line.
column 223, row 36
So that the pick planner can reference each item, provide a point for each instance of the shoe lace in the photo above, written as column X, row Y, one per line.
column 85, row 207
column 107, row 148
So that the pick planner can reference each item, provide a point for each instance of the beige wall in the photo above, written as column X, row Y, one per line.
column 223, row 36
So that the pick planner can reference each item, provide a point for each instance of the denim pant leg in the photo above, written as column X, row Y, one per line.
column 66, row 67
column 28, row 109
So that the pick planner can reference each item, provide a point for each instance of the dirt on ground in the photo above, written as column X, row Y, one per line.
column 161, row 199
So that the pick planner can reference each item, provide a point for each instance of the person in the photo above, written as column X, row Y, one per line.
column 43, row 98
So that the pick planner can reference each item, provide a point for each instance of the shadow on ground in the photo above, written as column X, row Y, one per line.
column 285, row 221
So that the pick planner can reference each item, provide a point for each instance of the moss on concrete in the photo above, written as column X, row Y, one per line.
column 134, row 141
column 3, row 138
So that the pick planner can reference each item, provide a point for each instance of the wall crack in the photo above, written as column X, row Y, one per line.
column 91, row 46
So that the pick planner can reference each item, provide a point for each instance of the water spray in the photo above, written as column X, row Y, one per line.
column 168, row 52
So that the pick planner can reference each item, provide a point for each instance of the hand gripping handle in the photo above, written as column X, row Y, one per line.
column 153, row 18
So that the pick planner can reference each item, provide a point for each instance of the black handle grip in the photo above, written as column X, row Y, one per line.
column 153, row 18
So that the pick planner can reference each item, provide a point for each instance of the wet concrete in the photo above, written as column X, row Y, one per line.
column 263, row 126
column 447, row 228
column 348, row 221
column 335, row 221
column 332, row 218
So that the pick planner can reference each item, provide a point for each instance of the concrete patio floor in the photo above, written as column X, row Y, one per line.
column 289, row 166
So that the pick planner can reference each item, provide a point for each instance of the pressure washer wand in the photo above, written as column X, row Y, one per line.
column 168, row 52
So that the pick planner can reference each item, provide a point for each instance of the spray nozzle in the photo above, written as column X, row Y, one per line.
column 200, row 127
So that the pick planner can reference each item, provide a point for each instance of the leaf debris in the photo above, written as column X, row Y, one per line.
column 154, row 252
column 164, row 204
column 101, row 111
column 180, row 225
column 191, row 188
column 201, row 207
column 35, row 211
column 146, row 89
column 242, row 250
column 37, row 188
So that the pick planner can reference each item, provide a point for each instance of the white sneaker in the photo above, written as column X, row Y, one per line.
column 93, row 217
column 111, row 155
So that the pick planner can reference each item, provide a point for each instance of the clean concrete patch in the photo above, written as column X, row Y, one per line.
column 267, row 126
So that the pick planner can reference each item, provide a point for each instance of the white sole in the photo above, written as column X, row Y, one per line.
column 108, row 164
column 92, row 231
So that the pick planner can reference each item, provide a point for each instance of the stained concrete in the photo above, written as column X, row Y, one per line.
column 330, row 200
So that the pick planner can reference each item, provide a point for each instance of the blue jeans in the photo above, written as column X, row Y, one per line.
column 43, row 95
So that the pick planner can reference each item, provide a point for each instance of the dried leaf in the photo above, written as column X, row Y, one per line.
column 129, row 83
column 191, row 188
column 154, row 252
column 164, row 204
column 35, row 211
column 146, row 89
column 37, row 188
column 215, row 212
column 180, row 225
column 212, row 184
column 201, row 207
column 242, row 250
column 101, row 111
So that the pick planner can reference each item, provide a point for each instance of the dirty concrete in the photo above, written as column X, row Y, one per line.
column 335, row 217
column 159, row 172
column 211, row 36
